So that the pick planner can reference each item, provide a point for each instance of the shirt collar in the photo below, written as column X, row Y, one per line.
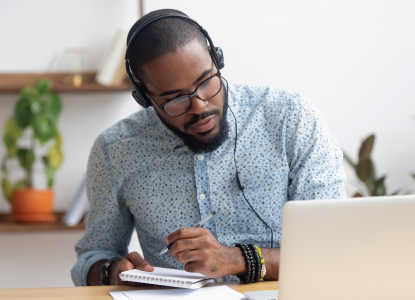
column 170, row 139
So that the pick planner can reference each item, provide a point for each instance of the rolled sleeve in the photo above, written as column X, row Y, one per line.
column 109, row 222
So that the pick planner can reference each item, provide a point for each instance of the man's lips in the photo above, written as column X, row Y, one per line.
column 204, row 124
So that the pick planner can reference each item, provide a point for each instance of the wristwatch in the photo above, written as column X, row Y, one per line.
column 105, row 280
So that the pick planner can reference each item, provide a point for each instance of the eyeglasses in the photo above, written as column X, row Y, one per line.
column 208, row 89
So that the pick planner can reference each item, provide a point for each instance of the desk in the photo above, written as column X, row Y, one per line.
column 102, row 292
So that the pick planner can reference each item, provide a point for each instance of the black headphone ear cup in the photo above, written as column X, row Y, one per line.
column 138, row 93
column 139, row 98
column 219, row 55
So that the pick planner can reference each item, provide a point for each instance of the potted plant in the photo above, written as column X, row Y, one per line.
column 365, row 171
column 32, row 137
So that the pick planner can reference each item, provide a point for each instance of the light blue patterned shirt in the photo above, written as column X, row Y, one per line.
column 142, row 175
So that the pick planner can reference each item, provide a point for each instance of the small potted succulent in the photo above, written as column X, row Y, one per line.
column 32, row 137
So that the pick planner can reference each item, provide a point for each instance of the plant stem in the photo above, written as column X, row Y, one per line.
column 30, row 170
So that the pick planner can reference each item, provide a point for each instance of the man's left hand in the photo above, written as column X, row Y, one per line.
column 202, row 253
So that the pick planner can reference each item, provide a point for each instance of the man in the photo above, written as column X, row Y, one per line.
column 164, row 168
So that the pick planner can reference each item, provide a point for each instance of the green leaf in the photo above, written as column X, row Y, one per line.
column 379, row 188
column 364, row 169
column 13, row 128
column 49, row 172
column 413, row 176
column 12, row 132
column 43, row 86
column 11, row 145
column 44, row 127
column 55, row 156
column 26, row 108
column 53, row 105
column 58, row 139
column 22, row 184
column 7, row 189
column 29, row 91
column 26, row 158
column 366, row 147
column 348, row 160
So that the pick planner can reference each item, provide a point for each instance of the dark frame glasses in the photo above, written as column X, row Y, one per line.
column 182, row 99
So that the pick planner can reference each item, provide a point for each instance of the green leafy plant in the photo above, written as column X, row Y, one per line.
column 365, row 170
column 36, row 112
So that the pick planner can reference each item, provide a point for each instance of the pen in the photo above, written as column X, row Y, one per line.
column 198, row 224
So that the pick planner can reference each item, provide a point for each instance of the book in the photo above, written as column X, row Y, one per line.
column 78, row 207
column 167, row 277
column 112, row 69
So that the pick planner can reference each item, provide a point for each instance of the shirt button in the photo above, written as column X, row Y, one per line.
column 202, row 196
column 220, row 279
column 200, row 157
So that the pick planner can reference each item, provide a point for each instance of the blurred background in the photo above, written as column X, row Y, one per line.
column 354, row 59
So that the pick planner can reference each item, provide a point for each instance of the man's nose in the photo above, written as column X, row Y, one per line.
column 198, row 106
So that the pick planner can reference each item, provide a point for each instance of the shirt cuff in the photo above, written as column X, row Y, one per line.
column 79, row 272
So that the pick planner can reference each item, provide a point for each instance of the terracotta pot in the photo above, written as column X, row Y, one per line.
column 30, row 205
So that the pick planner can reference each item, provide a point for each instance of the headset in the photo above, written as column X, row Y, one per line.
column 140, row 95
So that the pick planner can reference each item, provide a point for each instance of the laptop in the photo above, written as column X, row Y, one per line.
column 354, row 249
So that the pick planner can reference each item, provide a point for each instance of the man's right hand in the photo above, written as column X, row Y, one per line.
column 130, row 262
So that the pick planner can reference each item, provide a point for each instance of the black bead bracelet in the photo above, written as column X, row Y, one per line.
column 253, row 264
column 247, row 277
column 251, row 259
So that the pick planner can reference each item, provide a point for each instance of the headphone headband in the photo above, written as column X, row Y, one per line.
column 139, row 93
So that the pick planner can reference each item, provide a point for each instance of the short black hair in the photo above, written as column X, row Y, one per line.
column 159, row 38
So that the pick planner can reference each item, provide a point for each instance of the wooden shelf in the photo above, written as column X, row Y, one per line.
column 8, row 225
column 12, row 83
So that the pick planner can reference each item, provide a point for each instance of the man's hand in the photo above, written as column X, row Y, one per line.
column 131, row 261
column 202, row 253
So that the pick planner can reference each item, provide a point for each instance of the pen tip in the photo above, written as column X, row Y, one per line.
column 163, row 251
column 214, row 213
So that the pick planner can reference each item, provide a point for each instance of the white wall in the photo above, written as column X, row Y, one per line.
column 354, row 59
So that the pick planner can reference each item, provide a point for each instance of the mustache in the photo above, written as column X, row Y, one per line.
column 197, row 118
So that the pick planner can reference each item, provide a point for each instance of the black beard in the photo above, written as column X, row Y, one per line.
column 212, row 144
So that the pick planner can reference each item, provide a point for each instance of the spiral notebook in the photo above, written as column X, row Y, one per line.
column 167, row 277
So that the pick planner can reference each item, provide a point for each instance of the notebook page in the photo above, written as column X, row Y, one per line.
column 168, row 277
column 217, row 292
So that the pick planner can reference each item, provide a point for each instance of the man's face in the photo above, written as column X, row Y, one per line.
column 179, row 73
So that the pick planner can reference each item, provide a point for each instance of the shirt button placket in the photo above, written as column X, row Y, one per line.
column 202, row 185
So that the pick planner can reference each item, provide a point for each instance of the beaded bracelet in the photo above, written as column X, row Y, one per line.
column 257, row 262
column 250, row 264
column 263, row 270
column 253, row 264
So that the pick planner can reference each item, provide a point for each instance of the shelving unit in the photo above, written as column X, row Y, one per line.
column 8, row 225
column 13, row 82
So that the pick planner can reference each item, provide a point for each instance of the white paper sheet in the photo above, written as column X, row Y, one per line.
column 119, row 296
column 216, row 292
